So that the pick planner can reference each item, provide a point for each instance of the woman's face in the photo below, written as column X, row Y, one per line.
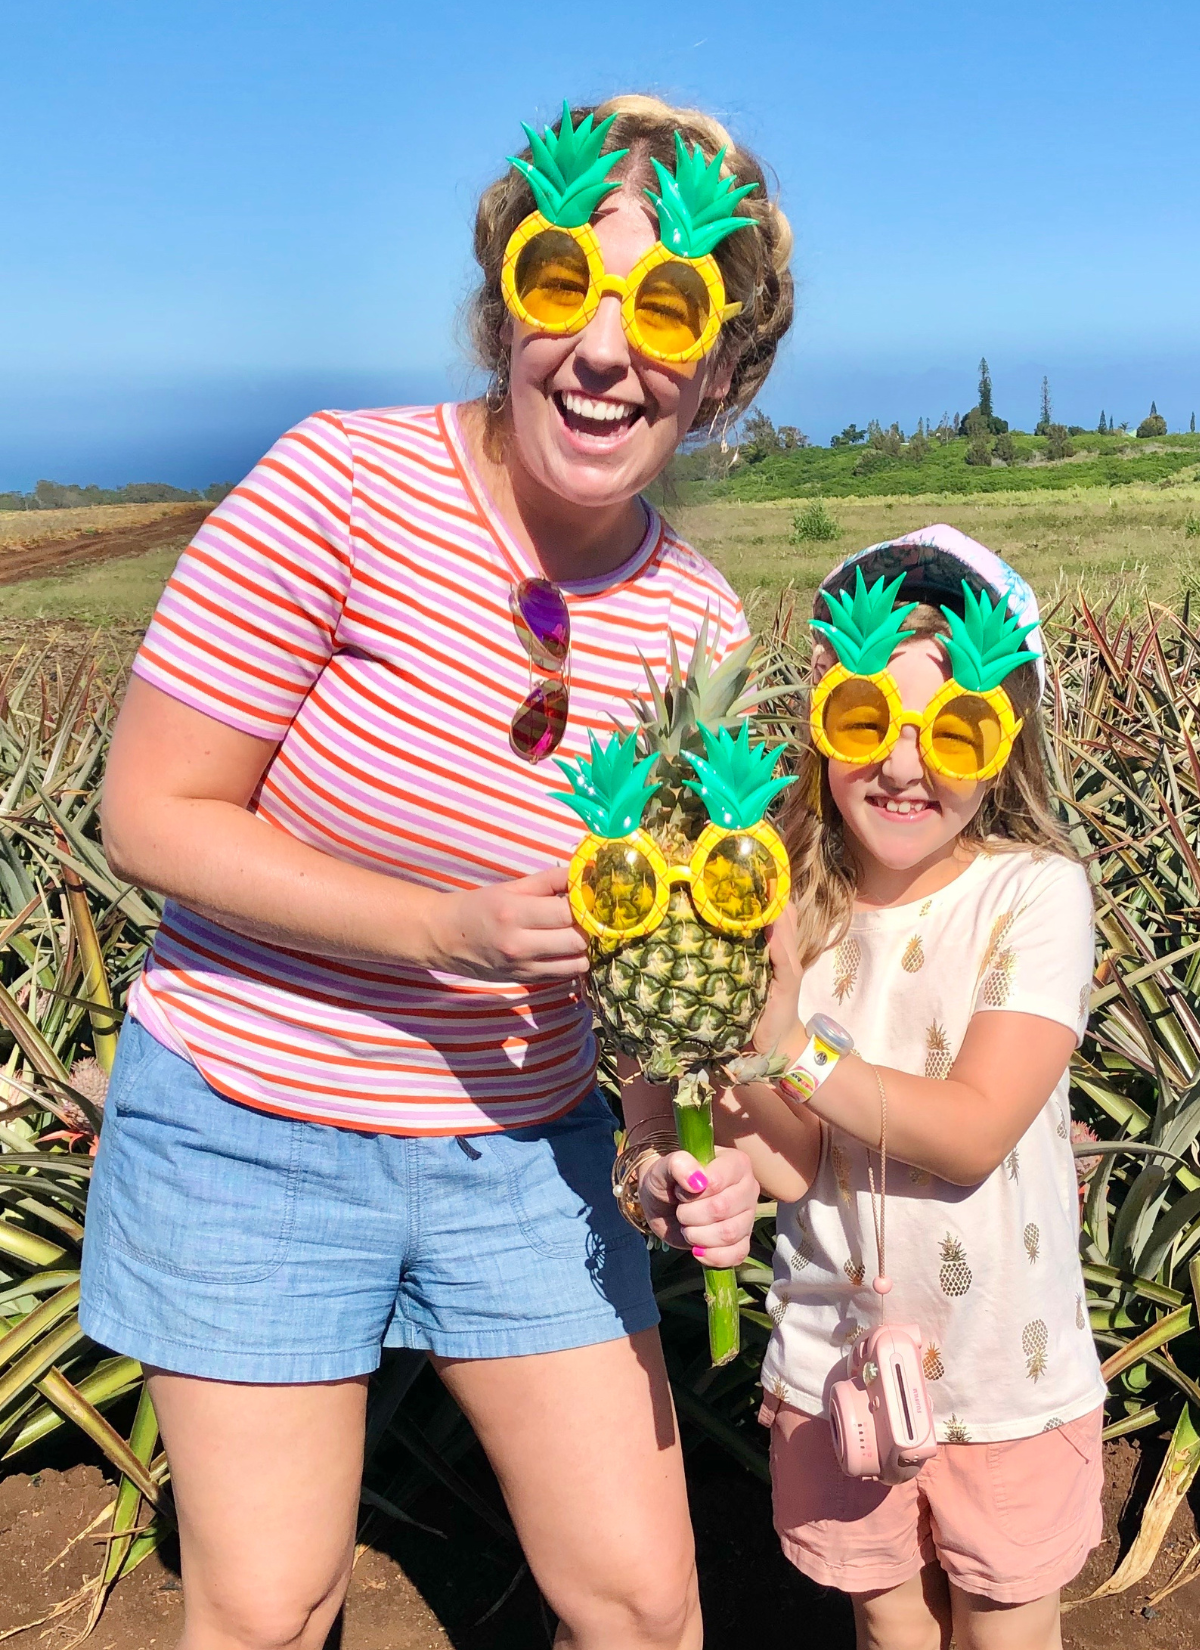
column 897, row 812
column 594, row 422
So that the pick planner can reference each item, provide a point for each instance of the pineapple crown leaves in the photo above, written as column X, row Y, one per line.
column 986, row 643
column 609, row 791
column 696, row 207
column 866, row 627
column 735, row 783
column 717, row 695
column 568, row 174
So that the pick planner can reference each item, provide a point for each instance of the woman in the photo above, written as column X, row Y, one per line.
column 354, row 1102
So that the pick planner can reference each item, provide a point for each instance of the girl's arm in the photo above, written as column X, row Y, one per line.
column 960, row 1129
column 175, row 818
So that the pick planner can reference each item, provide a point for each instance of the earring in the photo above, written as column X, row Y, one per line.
column 497, row 390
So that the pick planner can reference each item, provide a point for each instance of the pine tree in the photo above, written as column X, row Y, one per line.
column 1047, row 418
column 1102, row 427
column 1192, row 425
column 985, row 392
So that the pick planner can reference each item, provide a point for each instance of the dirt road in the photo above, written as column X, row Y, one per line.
column 58, row 555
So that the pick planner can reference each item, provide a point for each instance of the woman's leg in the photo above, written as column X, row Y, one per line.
column 913, row 1616
column 982, row 1624
column 266, row 1482
column 586, row 1449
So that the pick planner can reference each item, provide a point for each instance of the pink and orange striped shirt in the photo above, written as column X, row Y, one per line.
column 350, row 601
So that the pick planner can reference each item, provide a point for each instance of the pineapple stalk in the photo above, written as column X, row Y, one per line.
column 692, row 1100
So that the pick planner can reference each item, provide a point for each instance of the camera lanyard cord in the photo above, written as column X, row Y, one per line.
column 881, row 1284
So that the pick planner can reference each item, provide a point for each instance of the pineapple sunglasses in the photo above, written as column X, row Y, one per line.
column 967, row 730
column 673, row 301
column 619, row 880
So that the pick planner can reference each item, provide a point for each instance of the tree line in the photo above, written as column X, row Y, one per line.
column 58, row 495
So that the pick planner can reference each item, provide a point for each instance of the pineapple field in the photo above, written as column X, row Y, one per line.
column 435, row 1542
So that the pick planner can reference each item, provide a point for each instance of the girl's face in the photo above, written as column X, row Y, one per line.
column 594, row 422
column 899, row 814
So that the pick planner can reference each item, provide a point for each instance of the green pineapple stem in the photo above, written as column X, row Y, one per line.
column 692, row 1100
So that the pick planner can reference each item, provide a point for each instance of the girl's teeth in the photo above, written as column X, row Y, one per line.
column 904, row 807
column 605, row 412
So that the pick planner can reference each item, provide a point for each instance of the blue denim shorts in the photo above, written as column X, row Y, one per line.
column 230, row 1243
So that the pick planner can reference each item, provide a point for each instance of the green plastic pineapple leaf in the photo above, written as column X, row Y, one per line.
column 568, row 174
column 696, row 207
column 735, row 783
column 609, row 792
column 986, row 643
column 865, row 629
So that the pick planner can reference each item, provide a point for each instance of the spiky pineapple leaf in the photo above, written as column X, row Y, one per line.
column 568, row 174
column 986, row 643
column 696, row 207
column 609, row 792
column 865, row 629
column 735, row 783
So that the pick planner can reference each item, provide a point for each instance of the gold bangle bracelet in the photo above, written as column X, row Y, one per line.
column 627, row 1171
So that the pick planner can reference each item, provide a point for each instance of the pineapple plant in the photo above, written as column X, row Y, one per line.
column 931, row 1362
column 954, row 1275
column 938, row 1055
column 1034, row 1341
column 674, row 884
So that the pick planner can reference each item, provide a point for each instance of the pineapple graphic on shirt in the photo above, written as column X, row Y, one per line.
column 777, row 1388
column 1060, row 1128
column 956, row 1433
column 1080, row 1320
column 931, row 1362
column 1034, row 1341
column 855, row 1271
column 847, row 960
column 1013, row 1164
column 938, row 1057
column 1033, row 1242
column 778, row 1311
column 841, row 1170
column 802, row 1255
column 955, row 1275
column 999, row 964
column 914, row 955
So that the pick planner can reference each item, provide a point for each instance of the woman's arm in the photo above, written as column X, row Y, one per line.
column 174, row 818
column 708, row 1210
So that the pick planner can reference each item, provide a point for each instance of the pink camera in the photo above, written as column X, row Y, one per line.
column 880, row 1414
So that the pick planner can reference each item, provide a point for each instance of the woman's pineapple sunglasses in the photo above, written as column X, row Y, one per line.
column 553, row 278
column 619, row 880
column 967, row 730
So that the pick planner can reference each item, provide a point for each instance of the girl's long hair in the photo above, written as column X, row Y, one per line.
column 1017, row 813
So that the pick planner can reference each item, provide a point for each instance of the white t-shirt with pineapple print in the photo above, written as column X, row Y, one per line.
column 990, row 1273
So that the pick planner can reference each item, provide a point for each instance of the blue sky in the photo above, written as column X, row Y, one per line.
column 224, row 214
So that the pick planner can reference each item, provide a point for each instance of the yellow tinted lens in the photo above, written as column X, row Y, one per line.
column 552, row 277
column 672, row 308
column 966, row 735
column 740, row 879
column 618, row 887
column 856, row 719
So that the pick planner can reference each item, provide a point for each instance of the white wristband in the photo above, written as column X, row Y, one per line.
column 827, row 1043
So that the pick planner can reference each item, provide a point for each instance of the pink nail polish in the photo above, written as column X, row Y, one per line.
column 698, row 1182
column 699, row 1253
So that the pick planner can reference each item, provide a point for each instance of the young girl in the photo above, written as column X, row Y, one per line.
column 941, row 918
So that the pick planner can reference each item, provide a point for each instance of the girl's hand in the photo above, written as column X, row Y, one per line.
column 708, row 1210
column 780, row 1016
column 518, row 930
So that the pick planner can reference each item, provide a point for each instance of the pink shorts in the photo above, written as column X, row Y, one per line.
column 1013, row 1521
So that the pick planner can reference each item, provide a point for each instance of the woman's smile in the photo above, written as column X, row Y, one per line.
column 596, row 423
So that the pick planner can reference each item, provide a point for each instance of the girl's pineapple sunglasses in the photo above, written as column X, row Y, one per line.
column 673, row 302
column 967, row 730
column 619, row 880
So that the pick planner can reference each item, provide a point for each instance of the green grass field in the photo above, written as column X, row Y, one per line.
column 1128, row 543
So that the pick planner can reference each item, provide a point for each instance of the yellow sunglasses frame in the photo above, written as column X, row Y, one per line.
column 1010, row 723
column 666, row 876
column 602, row 284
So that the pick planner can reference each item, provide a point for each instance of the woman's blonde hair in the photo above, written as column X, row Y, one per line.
column 754, row 267
column 1017, row 812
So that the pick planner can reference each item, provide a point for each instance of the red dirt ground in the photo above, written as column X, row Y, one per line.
column 421, row 1593
column 58, row 555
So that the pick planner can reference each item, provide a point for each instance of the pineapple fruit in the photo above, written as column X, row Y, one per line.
column 680, row 993
column 955, row 1275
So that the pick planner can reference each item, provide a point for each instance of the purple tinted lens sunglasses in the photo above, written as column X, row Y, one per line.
column 543, row 624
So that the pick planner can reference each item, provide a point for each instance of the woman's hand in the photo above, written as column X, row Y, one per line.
column 518, row 930
column 779, row 1020
column 708, row 1210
